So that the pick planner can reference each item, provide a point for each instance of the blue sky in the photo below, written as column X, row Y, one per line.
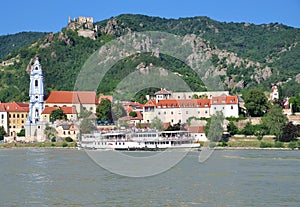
column 51, row 16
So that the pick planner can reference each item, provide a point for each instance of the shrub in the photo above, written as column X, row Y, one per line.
column 223, row 144
column 298, row 143
column 53, row 145
column 64, row 144
column 133, row 114
column 69, row 139
column 212, row 145
column 21, row 133
column 279, row 145
column 259, row 137
column 265, row 145
column 292, row 145
column 53, row 139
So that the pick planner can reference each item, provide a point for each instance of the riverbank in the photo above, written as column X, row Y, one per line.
column 68, row 145
column 253, row 148
column 73, row 145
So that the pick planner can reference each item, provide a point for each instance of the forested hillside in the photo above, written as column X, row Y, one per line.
column 244, row 55
column 12, row 42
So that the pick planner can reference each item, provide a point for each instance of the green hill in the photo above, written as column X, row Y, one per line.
column 243, row 55
column 13, row 42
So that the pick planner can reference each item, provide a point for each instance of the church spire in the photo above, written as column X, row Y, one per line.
column 36, row 93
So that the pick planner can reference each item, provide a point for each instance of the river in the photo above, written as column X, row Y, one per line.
column 66, row 177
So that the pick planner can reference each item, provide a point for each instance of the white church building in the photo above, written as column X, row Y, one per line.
column 34, row 127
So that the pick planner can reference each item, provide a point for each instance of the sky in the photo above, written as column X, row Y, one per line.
column 51, row 16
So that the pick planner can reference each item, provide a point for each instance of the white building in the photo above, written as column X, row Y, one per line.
column 274, row 95
column 228, row 105
column 176, row 111
column 180, row 110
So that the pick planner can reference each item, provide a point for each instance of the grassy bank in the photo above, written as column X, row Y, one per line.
column 37, row 144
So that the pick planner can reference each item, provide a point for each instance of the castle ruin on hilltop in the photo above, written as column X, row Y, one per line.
column 84, row 26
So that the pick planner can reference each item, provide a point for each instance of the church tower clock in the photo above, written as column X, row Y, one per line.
column 36, row 93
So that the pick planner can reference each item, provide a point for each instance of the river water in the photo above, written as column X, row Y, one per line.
column 62, row 177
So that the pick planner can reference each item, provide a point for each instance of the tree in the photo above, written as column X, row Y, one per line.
column 118, row 111
column 195, row 96
column 248, row 129
column 87, row 126
column 256, row 103
column 290, row 133
column 85, row 113
column 214, row 127
column 156, row 123
column 295, row 101
column 21, row 133
column 103, row 111
column 274, row 121
column 133, row 114
column 2, row 132
column 231, row 128
column 57, row 114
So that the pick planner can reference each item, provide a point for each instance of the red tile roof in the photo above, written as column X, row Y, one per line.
column 184, row 103
column 162, row 91
column 150, row 103
column 14, row 107
column 195, row 129
column 221, row 100
column 66, row 110
column 72, row 97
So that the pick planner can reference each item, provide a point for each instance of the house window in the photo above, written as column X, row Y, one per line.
column 172, row 120
column 22, row 115
column 91, row 108
column 186, row 112
column 206, row 112
column 231, row 107
column 2, row 116
column 158, row 113
column 36, row 83
column 165, row 113
column 172, row 112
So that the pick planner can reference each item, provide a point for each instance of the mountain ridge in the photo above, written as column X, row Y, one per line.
column 244, row 55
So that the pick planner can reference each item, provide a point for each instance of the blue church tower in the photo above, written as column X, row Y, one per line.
column 36, row 93
column 36, row 105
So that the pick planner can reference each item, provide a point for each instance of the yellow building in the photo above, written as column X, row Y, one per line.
column 15, row 115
